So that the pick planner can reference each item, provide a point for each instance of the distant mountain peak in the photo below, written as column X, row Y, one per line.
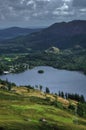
column 13, row 32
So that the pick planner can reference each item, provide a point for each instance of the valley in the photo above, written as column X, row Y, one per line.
column 57, row 54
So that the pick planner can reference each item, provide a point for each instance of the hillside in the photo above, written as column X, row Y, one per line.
column 12, row 32
column 25, row 108
column 62, row 35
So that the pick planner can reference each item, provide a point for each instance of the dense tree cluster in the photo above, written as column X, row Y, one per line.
column 77, row 97
column 70, row 59
column 67, row 59
column 81, row 109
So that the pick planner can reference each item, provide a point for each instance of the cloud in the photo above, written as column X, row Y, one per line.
column 79, row 3
column 67, row 0
column 24, row 12
column 63, row 7
column 83, row 10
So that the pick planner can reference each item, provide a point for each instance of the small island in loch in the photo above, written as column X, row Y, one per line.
column 40, row 71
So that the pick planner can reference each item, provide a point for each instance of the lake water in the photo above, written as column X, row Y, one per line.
column 55, row 79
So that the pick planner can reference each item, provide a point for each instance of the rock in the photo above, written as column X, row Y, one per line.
column 53, row 50
column 43, row 120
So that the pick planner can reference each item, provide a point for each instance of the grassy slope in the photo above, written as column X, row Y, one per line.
column 20, row 112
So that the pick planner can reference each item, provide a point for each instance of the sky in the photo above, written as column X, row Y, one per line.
column 37, row 13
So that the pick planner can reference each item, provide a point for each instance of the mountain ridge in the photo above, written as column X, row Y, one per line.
column 13, row 32
column 62, row 35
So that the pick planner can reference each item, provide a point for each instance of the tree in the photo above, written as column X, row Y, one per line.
column 9, row 86
column 40, row 87
column 47, row 90
column 1, row 71
column 62, row 94
column 66, row 95
column 59, row 94
column 80, row 110
column 82, row 99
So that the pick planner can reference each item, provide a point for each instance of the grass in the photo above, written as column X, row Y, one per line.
column 7, row 59
column 19, row 112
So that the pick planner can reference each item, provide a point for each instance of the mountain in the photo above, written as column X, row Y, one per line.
column 15, row 32
column 61, row 35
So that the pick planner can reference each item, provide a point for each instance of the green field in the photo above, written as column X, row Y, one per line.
column 19, row 112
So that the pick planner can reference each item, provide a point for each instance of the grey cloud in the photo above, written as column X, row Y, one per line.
column 79, row 3
column 41, row 11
